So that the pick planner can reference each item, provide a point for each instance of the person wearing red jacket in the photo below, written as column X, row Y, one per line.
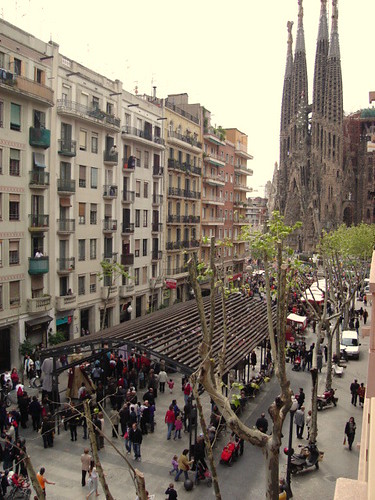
column 169, row 420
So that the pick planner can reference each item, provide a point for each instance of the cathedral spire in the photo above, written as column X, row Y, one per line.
column 323, row 25
column 285, row 103
column 299, row 85
column 334, row 47
column 300, row 40
column 320, row 63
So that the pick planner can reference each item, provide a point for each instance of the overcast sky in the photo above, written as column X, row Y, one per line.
column 228, row 56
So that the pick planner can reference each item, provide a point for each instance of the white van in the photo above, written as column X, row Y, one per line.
column 350, row 343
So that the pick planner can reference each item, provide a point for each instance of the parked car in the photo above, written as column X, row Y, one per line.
column 350, row 343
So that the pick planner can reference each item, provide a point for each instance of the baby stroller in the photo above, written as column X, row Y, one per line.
column 202, row 473
column 229, row 453
column 297, row 364
column 20, row 488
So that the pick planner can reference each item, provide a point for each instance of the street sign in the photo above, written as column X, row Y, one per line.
column 170, row 283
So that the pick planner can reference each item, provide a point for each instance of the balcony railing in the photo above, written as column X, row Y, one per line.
column 109, row 292
column 156, row 255
column 38, row 265
column 110, row 191
column 183, row 167
column 128, row 130
column 176, row 245
column 157, row 227
column 109, row 225
column 39, row 137
column 128, row 196
column 126, row 290
column 67, row 147
column 157, row 171
column 39, row 304
column 157, row 199
column 212, row 199
column 128, row 227
column 91, row 112
column 66, row 186
column 185, row 219
column 30, row 88
column 110, row 157
column 66, row 264
column 182, row 112
column 212, row 220
column 126, row 168
column 66, row 225
column 189, row 139
column 213, row 158
column 176, row 270
column 38, row 222
column 66, row 302
column 127, row 259
column 38, row 178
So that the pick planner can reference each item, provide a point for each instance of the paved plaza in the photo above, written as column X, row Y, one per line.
column 245, row 479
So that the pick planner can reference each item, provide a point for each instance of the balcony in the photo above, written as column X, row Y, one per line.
column 157, row 227
column 157, row 199
column 142, row 136
column 215, row 159
column 238, row 186
column 178, row 138
column 66, row 302
column 177, row 245
column 38, row 265
column 38, row 222
column 38, row 179
column 109, row 225
column 67, row 147
column 39, row 137
column 126, row 168
column 216, row 200
column 212, row 220
column 241, row 150
column 242, row 169
column 66, row 265
column 126, row 291
column 240, row 204
column 213, row 180
column 91, row 114
column 176, row 270
column 178, row 192
column 215, row 136
column 39, row 304
column 242, row 221
column 128, row 196
column 66, row 226
column 156, row 255
column 127, row 228
column 66, row 186
column 109, row 292
column 110, row 157
column 17, row 84
column 176, row 165
column 157, row 171
column 109, row 192
column 127, row 259
column 183, row 219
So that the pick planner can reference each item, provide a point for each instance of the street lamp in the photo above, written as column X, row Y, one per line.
column 292, row 411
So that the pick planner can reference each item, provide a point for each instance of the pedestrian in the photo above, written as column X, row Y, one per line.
column 43, row 481
column 177, row 427
column 35, row 411
column 299, row 420
column 357, row 324
column 74, row 420
column 115, row 420
column 361, row 394
column 163, row 377
column 174, row 464
column 135, row 437
column 354, row 391
column 171, row 492
column 301, row 397
column 319, row 361
column 170, row 385
column 187, row 391
column 92, row 483
column 262, row 423
column 101, row 433
column 85, row 461
column 308, row 423
column 169, row 419
column 253, row 359
column 183, row 465
column 365, row 316
column 350, row 428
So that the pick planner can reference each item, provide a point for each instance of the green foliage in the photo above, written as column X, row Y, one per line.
column 112, row 271
column 56, row 338
column 26, row 348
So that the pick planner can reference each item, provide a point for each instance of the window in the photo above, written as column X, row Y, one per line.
column 92, row 283
column 1, row 297
column 94, row 142
column 39, row 76
column 136, row 276
column 94, row 178
column 81, row 285
column 82, row 176
column 39, row 119
column 92, row 249
column 81, row 249
column 145, row 218
column 1, row 113
column 137, row 218
column 95, row 102
column 14, row 294
column 1, row 253
column 109, row 108
column 145, row 190
column 14, row 207
column 147, row 160
column 1, row 161
column 82, row 140
column 14, row 252
column 82, row 213
column 144, row 275
column 2, row 60
column 14, row 162
column 17, row 66
column 93, row 213
column 137, row 189
column 137, row 244
column 144, row 248
column 15, row 116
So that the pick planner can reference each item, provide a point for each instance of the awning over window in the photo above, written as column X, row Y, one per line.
column 38, row 321
column 65, row 202
column 39, row 160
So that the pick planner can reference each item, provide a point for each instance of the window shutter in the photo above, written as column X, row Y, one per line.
column 81, row 209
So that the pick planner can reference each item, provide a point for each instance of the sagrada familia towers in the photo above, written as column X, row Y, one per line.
column 311, row 180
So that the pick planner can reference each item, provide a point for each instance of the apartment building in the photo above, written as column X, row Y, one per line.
column 183, row 184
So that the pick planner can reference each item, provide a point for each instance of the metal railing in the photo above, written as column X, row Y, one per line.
column 67, row 147
column 66, row 264
column 109, row 225
column 110, row 191
column 38, row 178
column 157, row 199
column 128, row 196
column 66, row 225
column 128, row 227
column 38, row 220
column 66, row 185
column 181, row 112
column 110, row 157
column 91, row 111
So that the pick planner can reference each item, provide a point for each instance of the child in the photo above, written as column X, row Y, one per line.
column 177, row 427
column 170, row 385
column 171, row 492
column 174, row 464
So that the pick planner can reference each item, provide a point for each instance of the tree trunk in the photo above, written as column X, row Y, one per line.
column 32, row 475
column 141, row 485
column 338, row 342
column 210, row 455
column 271, row 453
column 329, row 362
column 95, row 453
column 314, row 409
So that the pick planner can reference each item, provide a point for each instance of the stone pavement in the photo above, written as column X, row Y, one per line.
column 63, row 461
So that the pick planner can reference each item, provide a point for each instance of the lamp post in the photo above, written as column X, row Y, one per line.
column 292, row 411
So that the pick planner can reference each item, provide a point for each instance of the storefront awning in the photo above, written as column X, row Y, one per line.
column 38, row 321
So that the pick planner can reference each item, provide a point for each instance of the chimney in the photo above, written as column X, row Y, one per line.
column 154, row 92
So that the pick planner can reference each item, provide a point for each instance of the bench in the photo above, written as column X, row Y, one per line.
column 337, row 370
